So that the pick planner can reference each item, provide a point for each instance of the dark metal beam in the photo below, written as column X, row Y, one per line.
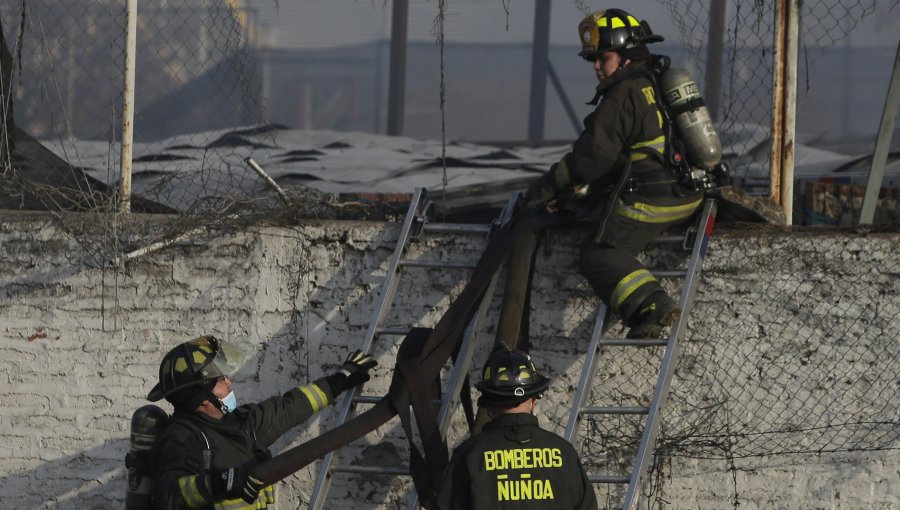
column 397, row 79
column 714, row 49
column 539, row 55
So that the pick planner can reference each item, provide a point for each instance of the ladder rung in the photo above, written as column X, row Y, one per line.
column 609, row 479
column 369, row 470
column 396, row 331
column 371, row 399
column 669, row 274
column 366, row 399
column 457, row 228
column 615, row 410
column 635, row 342
column 669, row 239
column 438, row 264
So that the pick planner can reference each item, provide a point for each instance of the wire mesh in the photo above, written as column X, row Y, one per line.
column 801, row 363
column 198, row 87
column 747, row 67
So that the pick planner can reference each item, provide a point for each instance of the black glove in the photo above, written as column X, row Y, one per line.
column 540, row 192
column 235, row 482
column 353, row 372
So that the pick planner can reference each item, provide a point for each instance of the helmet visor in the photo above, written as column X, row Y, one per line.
column 227, row 360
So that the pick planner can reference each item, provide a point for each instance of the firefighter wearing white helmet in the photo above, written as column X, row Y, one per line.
column 633, row 193
column 513, row 463
column 205, row 455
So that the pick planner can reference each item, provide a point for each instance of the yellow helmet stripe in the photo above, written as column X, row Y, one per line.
column 617, row 23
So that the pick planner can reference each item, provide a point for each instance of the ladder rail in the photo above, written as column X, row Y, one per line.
column 466, row 351
column 587, row 375
column 670, row 358
column 415, row 223
column 389, row 287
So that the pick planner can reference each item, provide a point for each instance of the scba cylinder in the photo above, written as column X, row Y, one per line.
column 147, row 423
column 682, row 97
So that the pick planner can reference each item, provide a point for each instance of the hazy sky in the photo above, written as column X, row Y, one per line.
column 311, row 24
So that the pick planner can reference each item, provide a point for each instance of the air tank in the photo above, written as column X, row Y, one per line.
column 147, row 423
column 682, row 97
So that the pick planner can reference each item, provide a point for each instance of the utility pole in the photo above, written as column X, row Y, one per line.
column 128, row 106
column 784, row 105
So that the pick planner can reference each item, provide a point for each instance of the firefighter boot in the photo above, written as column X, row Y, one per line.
column 653, row 316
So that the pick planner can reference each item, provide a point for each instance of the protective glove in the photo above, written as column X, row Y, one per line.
column 353, row 372
column 540, row 192
column 235, row 482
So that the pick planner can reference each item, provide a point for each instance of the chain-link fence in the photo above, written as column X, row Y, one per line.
column 200, row 112
column 745, row 114
column 801, row 364
column 196, row 97
column 198, row 88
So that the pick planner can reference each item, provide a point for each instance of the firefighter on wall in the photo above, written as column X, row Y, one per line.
column 638, row 184
column 513, row 463
column 205, row 453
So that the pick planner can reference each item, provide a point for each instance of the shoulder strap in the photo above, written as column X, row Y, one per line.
column 193, row 427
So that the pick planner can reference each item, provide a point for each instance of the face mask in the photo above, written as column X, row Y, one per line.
column 229, row 403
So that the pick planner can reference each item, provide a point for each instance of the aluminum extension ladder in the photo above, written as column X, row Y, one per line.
column 417, row 222
column 669, row 361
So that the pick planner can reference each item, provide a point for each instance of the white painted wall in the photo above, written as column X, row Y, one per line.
column 80, row 346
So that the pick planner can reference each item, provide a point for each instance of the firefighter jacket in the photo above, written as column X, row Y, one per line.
column 515, row 464
column 193, row 444
column 624, row 134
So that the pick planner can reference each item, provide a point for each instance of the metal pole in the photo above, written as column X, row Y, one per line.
column 561, row 92
column 882, row 144
column 128, row 106
column 784, row 107
column 714, row 49
column 539, row 59
column 397, row 79
column 268, row 179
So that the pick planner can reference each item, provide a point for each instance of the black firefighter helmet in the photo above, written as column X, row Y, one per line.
column 613, row 30
column 509, row 378
column 190, row 371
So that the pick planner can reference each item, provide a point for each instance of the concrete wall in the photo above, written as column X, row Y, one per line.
column 80, row 346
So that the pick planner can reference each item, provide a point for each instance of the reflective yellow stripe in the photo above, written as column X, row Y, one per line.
column 658, row 144
column 266, row 497
column 318, row 400
column 190, row 492
column 656, row 213
column 617, row 23
column 628, row 285
column 602, row 22
column 632, row 21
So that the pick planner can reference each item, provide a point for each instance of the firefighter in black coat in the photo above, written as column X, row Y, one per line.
column 620, row 157
column 513, row 463
column 205, row 456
